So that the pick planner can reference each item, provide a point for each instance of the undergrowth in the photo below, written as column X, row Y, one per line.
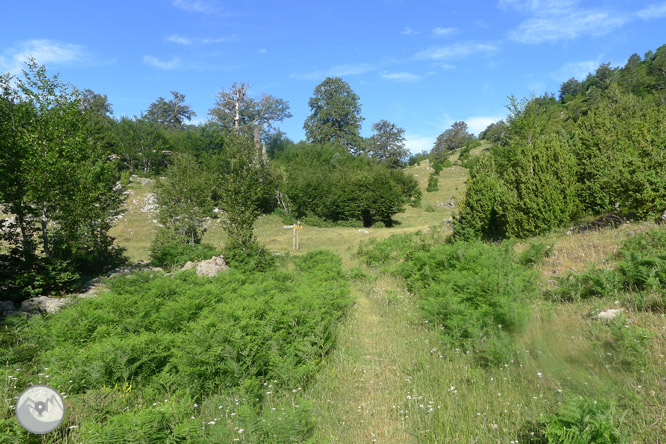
column 183, row 358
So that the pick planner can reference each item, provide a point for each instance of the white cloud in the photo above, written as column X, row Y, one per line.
column 579, row 70
column 566, row 26
column 400, row 76
column 202, row 6
column 479, row 123
column 336, row 71
column 175, row 62
column 652, row 12
column 180, row 40
column 456, row 50
column 409, row 31
column 188, row 41
column 416, row 143
column 45, row 52
column 441, row 32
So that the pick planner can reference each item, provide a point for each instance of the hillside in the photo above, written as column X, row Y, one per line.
column 390, row 376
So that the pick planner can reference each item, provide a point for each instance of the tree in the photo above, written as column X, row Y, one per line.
column 142, row 145
column 234, row 108
column 55, row 180
column 388, row 143
column 172, row 113
column 96, row 103
column 569, row 89
column 450, row 141
column 185, row 198
column 240, row 188
column 336, row 115
column 495, row 132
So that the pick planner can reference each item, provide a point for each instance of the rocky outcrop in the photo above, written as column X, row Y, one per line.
column 44, row 304
column 6, row 308
column 210, row 267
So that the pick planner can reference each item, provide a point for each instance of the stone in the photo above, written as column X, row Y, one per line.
column 610, row 314
column 189, row 265
column 663, row 216
column 212, row 266
column 44, row 304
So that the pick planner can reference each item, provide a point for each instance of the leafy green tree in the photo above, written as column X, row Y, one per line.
column 234, row 108
column 335, row 115
column 185, row 198
column 61, row 184
column 142, row 146
column 496, row 132
column 569, row 89
column 241, row 185
column 450, row 141
column 96, row 103
column 388, row 143
column 170, row 113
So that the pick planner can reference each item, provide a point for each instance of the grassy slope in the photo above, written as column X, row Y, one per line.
column 386, row 382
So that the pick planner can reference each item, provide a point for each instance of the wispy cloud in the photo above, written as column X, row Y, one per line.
column 569, row 26
column 652, row 12
column 174, row 63
column 189, row 41
column 479, row 123
column 202, row 6
column 45, row 52
column 336, row 71
column 579, row 70
column 555, row 20
column 406, row 77
column 416, row 143
column 443, row 32
column 454, row 51
column 409, row 31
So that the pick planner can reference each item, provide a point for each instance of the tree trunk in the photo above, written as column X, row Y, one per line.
column 45, row 233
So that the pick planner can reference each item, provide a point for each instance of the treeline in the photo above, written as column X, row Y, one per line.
column 65, row 162
column 597, row 149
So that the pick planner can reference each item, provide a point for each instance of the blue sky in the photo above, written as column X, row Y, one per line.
column 419, row 64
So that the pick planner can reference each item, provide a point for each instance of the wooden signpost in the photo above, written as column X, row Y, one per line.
column 296, row 227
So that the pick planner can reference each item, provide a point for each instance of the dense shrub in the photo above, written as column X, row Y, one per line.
column 534, row 254
column 433, row 182
column 475, row 292
column 169, row 250
column 138, row 362
column 331, row 184
column 578, row 421
column 639, row 278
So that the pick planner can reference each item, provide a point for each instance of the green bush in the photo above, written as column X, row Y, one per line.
column 534, row 254
column 437, row 166
column 579, row 421
column 329, row 183
column 168, row 250
column 447, row 163
column 475, row 292
column 139, row 361
column 433, row 183
column 429, row 209
column 125, row 177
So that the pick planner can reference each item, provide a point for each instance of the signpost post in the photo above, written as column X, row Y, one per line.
column 294, row 237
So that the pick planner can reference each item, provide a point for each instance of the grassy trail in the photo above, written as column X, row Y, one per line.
column 360, row 396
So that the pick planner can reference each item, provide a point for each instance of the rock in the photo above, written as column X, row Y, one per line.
column 663, row 216
column 212, row 266
column 44, row 304
column 7, row 307
column 363, row 231
column 610, row 314
column 189, row 265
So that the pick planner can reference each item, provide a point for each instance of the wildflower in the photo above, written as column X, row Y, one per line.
column 241, row 430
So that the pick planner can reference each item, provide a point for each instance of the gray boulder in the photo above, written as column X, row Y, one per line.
column 210, row 267
column 44, row 304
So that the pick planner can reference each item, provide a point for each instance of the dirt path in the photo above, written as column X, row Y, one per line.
column 358, row 395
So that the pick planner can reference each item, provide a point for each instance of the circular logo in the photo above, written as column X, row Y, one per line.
column 40, row 409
